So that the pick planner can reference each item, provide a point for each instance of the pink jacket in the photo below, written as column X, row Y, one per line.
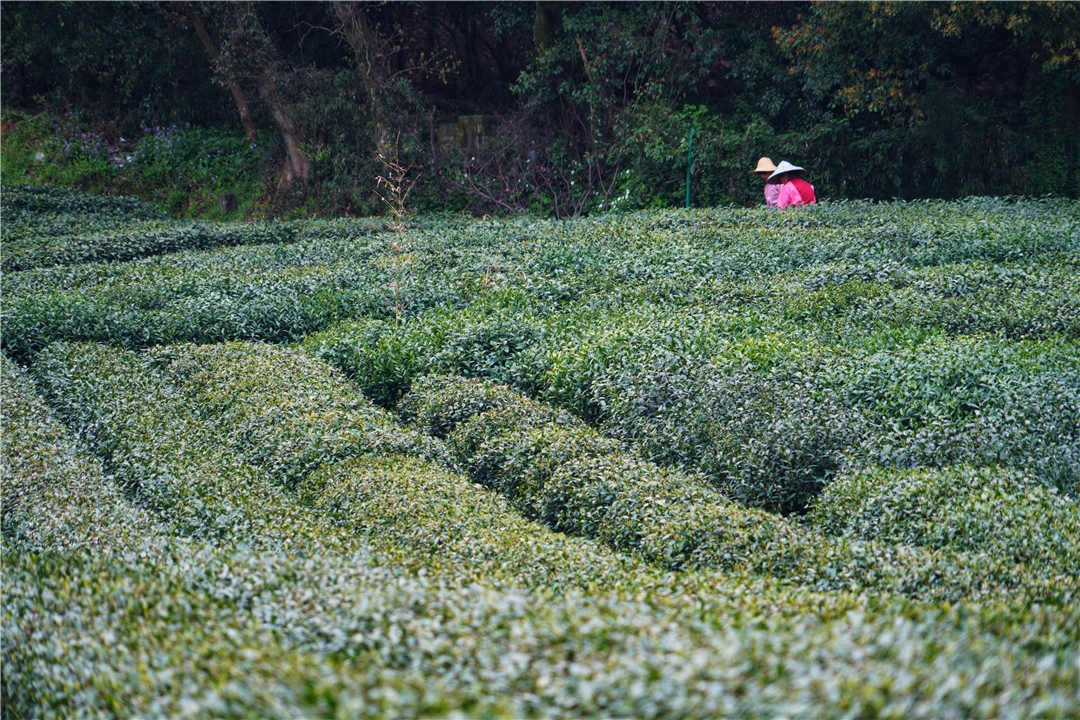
column 790, row 195
column 772, row 194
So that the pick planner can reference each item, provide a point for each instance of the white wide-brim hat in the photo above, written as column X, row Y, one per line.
column 786, row 167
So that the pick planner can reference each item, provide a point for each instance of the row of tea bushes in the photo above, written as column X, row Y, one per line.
column 284, row 411
column 456, row 525
column 556, row 470
column 739, row 260
column 321, row 628
column 768, row 413
column 30, row 204
column 1007, row 514
column 157, row 447
column 215, row 633
column 740, row 243
column 773, row 433
column 29, row 248
column 295, row 418
column 211, row 438
column 49, row 226
column 1030, row 300
column 80, row 596
column 269, row 292
column 56, row 496
column 984, row 401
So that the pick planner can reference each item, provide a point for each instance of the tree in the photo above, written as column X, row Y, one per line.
column 945, row 100
column 215, row 56
column 247, row 52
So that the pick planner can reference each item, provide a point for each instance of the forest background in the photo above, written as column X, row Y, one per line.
column 301, row 109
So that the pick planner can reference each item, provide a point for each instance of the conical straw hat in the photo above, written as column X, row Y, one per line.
column 763, row 165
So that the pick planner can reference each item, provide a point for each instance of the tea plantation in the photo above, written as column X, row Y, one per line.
column 819, row 463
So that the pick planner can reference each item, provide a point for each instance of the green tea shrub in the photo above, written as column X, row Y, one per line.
column 284, row 411
column 277, row 293
column 445, row 516
column 438, row 404
column 26, row 203
column 56, row 495
column 769, row 438
column 951, row 401
column 233, row 633
column 378, row 359
column 156, row 445
column 565, row 475
column 1006, row 513
column 66, row 240
column 489, row 348
column 1036, row 298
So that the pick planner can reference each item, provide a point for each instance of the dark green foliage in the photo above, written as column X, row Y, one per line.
column 593, row 114
column 126, row 63
column 40, row 205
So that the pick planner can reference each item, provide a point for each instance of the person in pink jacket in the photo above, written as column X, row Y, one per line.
column 765, row 168
column 793, row 189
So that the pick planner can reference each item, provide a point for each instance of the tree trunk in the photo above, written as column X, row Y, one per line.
column 297, row 166
column 266, row 70
column 548, row 17
column 215, row 55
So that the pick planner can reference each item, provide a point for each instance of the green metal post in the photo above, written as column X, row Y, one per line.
column 689, row 165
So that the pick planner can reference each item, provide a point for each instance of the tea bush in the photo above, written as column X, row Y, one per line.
column 588, row 525
column 442, row 515
column 769, row 413
column 1006, row 513
column 169, row 458
column 269, row 292
column 46, row 226
column 330, row 635
column 56, row 495
column 284, row 411
column 558, row 471
column 32, row 204
column 298, row 619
